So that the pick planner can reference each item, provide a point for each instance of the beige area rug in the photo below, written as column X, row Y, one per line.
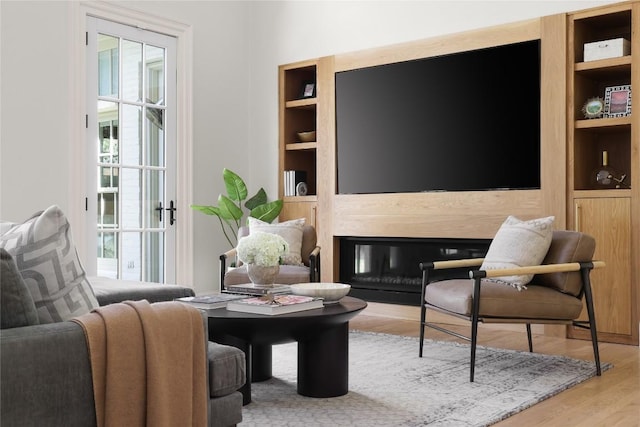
column 389, row 385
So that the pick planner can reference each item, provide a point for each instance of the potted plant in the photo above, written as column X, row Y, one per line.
column 232, row 207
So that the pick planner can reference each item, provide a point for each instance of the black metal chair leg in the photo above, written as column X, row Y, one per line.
column 423, row 317
column 588, row 296
column 529, row 337
column 474, row 326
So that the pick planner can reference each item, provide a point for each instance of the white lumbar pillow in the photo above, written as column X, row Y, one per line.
column 519, row 243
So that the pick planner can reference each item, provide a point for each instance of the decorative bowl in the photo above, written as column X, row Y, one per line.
column 330, row 292
column 309, row 136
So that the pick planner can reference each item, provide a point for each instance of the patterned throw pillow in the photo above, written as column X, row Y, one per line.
column 519, row 243
column 291, row 231
column 43, row 250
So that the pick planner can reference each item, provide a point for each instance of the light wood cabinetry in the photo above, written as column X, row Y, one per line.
column 609, row 214
column 298, row 113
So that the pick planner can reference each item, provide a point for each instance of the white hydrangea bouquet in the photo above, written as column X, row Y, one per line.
column 260, row 248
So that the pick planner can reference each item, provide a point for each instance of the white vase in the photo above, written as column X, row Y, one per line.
column 261, row 275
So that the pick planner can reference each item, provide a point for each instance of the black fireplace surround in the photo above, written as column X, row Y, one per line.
column 382, row 269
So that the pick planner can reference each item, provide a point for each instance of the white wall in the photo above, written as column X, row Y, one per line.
column 237, row 49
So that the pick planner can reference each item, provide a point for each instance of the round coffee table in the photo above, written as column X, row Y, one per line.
column 323, row 344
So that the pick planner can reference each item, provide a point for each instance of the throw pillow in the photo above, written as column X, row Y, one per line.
column 519, row 243
column 46, row 257
column 291, row 231
column 16, row 305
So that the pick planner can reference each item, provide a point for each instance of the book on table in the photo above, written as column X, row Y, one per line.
column 275, row 304
column 212, row 301
column 251, row 289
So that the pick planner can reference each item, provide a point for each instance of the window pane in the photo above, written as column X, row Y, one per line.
column 131, row 71
column 131, row 130
column 131, row 198
column 107, row 210
column 154, row 261
column 108, row 178
column 154, row 63
column 131, row 258
column 155, row 137
column 155, row 190
column 108, row 254
column 107, row 132
column 107, row 65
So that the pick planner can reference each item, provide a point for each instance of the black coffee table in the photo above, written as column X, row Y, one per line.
column 323, row 344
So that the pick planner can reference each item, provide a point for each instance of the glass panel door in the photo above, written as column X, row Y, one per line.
column 135, row 172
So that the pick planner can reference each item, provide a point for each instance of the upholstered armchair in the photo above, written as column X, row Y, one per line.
column 307, row 271
column 554, row 295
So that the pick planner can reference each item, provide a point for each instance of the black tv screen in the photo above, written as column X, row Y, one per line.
column 461, row 122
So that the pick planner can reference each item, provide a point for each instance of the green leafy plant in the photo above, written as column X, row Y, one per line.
column 232, row 207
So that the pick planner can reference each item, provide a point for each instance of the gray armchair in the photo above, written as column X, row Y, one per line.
column 289, row 274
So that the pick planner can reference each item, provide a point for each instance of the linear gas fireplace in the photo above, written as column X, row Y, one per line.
column 388, row 269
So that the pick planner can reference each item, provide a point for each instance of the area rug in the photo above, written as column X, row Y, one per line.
column 389, row 385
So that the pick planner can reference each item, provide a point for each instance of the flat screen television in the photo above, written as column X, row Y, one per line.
column 467, row 121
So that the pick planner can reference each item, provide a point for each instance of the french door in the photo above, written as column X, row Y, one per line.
column 131, row 126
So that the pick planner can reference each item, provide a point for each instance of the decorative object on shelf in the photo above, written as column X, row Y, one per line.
column 230, row 210
column 605, row 174
column 308, row 90
column 301, row 189
column 617, row 101
column 262, row 252
column 604, row 49
column 593, row 108
column 291, row 180
column 307, row 136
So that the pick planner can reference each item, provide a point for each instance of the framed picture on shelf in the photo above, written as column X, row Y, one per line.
column 617, row 101
column 308, row 90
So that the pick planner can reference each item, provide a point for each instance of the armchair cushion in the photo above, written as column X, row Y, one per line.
column 16, row 305
column 519, row 243
column 567, row 247
column 499, row 301
column 291, row 231
column 46, row 257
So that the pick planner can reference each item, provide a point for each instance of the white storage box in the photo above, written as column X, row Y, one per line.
column 606, row 49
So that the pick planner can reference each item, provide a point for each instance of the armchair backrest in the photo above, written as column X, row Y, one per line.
column 309, row 240
column 567, row 247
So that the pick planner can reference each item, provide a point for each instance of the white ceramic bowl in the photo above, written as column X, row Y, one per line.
column 331, row 292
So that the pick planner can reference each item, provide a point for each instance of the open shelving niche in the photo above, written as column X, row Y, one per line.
column 298, row 114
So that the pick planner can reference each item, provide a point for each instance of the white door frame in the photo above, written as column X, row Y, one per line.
column 78, row 153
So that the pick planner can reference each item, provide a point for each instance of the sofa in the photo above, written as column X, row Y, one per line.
column 45, row 365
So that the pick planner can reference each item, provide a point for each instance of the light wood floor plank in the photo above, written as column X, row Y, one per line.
column 612, row 400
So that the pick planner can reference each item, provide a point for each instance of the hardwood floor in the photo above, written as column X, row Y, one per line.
column 611, row 400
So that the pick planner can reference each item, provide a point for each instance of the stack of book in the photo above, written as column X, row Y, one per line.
column 275, row 304
column 251, row 289
column 211, row 302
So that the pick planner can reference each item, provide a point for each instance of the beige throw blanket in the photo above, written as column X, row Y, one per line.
column 148, row 364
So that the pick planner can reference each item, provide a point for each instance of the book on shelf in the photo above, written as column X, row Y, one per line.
column 275, row 304
column 251, row 289
column 291, row 179
column 212, row 301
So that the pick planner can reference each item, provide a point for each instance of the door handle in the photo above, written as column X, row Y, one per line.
column 171, row 210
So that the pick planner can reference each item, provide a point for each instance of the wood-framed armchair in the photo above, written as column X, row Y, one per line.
column 289, row 274
column 554, row 296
